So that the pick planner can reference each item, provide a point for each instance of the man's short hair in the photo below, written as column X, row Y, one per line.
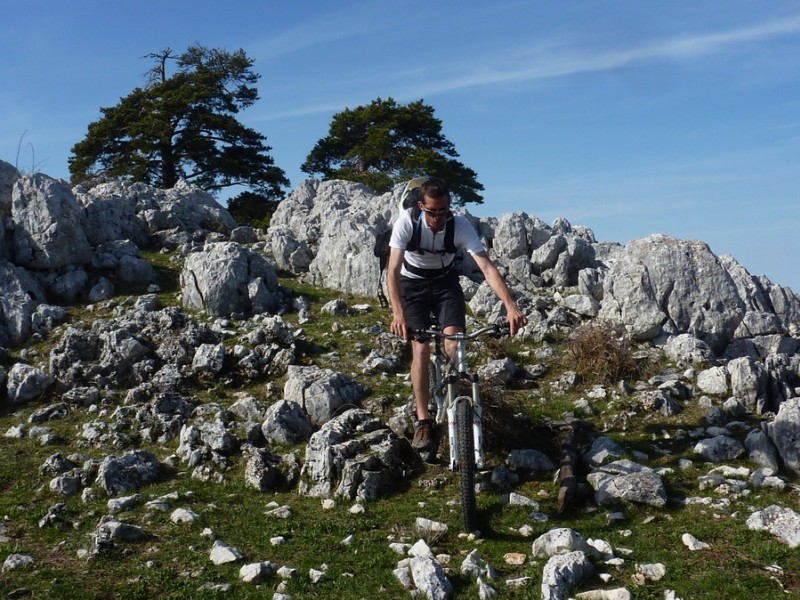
column 434, row 188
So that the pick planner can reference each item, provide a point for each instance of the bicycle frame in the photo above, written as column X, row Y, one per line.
column 445, row 390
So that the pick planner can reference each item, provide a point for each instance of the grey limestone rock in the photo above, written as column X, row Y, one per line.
column 26, row 382
column 286, row 423
column 784, row 432
column 625, row 481
column 117, row 475
column 659, row 283
column 355, row 455
column 321, row 392
column 563, row 572
column 49, row 230
column 227, row 278
column 783, row 523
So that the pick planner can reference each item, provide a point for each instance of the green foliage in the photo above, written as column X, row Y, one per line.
column 183, row 126
column 385, row 143
column 252, row 209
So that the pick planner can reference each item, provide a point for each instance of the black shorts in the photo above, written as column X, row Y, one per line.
column 443, row 298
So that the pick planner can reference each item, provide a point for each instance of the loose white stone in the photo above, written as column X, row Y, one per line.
column 399, row 548
column 222, row 554
column 518, row 582
column 17, row 561
column 427, row 527
column 420, row 550
column 316, row 576
column 184, row 515
column 652, row 571
column 693, row 543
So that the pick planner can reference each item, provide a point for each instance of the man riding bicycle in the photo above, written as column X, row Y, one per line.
column 422, row 281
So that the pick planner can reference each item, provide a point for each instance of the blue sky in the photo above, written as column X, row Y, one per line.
column 629, row 117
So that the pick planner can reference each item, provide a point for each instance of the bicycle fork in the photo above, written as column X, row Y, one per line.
column 477, row 422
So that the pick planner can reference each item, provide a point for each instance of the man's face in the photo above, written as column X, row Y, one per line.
column 436, row 210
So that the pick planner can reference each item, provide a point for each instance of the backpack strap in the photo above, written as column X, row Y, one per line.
column 450, row 236
column 416, row 234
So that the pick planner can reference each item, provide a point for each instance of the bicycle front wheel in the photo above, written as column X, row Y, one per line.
column 466, row 463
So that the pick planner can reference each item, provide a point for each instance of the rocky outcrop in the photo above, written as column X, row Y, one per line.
column 354, row 456
column 49, row 227
column 657, row 287
column 226, row 278
column 660, row 285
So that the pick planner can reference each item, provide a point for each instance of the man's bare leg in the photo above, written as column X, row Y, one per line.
column 420, row 382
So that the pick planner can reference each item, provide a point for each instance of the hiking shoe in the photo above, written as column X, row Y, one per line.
column 423, row 435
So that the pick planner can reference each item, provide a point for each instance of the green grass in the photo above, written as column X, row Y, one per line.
column 174, row 562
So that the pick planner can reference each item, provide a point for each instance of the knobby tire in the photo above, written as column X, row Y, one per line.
column 466, row 465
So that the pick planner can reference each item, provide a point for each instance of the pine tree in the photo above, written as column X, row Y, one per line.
column 183, row 126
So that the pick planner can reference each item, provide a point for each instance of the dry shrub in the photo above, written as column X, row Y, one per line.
column 601, row 353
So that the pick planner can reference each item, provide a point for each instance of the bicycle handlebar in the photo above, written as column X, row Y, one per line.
column 496, row 330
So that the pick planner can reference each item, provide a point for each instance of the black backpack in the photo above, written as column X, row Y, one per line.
column 408, row 201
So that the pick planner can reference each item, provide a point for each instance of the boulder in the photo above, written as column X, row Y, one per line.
column 112, row 212
column 49, row 225
column 560, row 540
column 117, row 475
column 19, row 296
column 720, row 448
column 26, row 382
column 660, row 284
column 625, row 481
column 761, row 450
column 8, row 176
column 713, row 381
column 286, row 423
column 354, row 456
column 321, row 392
column 749, row 383
column 783, row 523
column 227, row 278
column 563, row 572
column 784, row 432
column 760, row 295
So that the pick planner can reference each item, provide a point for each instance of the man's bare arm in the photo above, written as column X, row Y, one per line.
column 398, row 326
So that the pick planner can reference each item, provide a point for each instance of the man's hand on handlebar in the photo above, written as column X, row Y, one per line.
column 516, row 320
column 399, row 327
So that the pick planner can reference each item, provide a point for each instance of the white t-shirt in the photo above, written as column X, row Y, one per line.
column 431, row 245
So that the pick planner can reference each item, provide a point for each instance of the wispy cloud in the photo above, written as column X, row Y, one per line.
column 349, row 22
column 547, row 60
column 685, row 47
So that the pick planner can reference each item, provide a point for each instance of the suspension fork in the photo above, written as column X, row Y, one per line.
column 477, row 420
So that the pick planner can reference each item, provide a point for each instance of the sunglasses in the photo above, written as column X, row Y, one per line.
column 440, row 212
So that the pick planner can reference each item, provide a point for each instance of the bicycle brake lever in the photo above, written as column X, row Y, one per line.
column 501, row 328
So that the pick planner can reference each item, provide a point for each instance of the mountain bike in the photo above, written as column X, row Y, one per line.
column 462, row 413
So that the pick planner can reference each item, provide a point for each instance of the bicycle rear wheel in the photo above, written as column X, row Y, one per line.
column 466, row 464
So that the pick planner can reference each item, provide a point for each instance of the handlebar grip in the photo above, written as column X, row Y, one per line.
column 501, row 328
